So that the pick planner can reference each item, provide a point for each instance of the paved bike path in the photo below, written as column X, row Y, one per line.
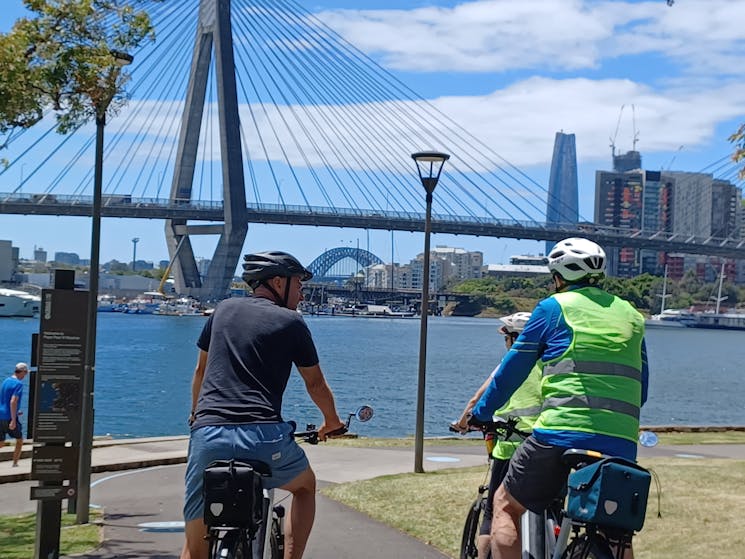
column 134, row 499
column 152, row 493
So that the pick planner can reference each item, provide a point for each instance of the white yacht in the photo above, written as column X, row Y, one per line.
column 667, row 318
column 18, row 303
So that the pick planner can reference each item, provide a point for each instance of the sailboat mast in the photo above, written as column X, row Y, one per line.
column 721, row 281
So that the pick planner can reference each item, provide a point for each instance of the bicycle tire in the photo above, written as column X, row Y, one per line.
column 277, row 540
column 586, row 546
column 468, row 543
column 229, row 547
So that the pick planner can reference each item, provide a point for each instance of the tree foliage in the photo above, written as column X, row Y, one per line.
column 67, row 59
column 738, row 138
column 644, row 292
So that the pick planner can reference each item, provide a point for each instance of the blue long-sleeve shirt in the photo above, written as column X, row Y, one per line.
column 547, row 336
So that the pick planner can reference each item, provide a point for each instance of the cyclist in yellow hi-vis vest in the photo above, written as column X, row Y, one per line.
column 594, row 382
column 524, row 404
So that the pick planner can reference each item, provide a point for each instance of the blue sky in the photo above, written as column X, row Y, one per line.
column 512, row 73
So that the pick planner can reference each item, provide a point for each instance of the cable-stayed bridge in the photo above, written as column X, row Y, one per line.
column 255, row 111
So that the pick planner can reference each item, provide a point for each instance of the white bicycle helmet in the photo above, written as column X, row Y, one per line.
column 576, row 259
column 514, row 323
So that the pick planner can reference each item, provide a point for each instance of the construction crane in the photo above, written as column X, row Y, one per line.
column 635, row 138
column 672, row 160
column 613, row 138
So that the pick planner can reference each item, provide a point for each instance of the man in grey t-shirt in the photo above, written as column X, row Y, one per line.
column 246, row 353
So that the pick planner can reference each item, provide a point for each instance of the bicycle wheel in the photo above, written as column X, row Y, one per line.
column 468, row 548
column 229, row 546
column 277, row 540
column 586, row 546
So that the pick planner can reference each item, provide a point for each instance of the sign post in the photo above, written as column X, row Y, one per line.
column 57, row 408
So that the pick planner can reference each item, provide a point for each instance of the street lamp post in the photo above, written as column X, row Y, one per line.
column 134, row 252
column 429, row 165
column 86, row 417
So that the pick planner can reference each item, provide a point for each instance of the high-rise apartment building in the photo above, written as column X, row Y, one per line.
column 619, row 204
column 705, row 206
column 657, row 215
column 562, row 205
column 683, row 203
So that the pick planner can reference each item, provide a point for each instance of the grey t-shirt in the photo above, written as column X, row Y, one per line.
column 251, row 344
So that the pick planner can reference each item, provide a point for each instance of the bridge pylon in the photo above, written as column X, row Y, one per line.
column 214, row 35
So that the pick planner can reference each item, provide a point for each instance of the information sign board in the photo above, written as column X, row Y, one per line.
column 54, row 463
column 60, row 370
column 52, row 493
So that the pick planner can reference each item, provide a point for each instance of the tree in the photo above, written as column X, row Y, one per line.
column 738, row 138
column 65, row 60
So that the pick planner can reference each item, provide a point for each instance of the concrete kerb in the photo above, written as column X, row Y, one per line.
column 125, row 454
column 108, row 455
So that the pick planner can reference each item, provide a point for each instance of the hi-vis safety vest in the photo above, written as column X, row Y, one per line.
column 525, row 403
column 595, row 386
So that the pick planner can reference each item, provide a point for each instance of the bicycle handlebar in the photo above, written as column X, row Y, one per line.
column 498, row 427
column 310, row 435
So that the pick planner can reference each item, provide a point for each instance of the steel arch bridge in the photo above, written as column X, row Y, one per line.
column 321, row 265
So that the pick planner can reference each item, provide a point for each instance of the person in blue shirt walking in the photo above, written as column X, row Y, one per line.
column 11, row 393
column 594, row 382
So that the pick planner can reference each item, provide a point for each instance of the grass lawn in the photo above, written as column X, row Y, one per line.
column 18, row 533
column 700, row 505
column 714, row 437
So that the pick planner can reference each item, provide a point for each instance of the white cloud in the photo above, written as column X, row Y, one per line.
column 518, row 122
column 499, row 35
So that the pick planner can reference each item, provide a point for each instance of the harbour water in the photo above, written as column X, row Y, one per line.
column 145, row 362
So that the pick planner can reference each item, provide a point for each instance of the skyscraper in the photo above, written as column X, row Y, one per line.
column 562, row 205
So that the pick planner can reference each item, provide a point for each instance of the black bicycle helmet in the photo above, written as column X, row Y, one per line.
column 262, row 266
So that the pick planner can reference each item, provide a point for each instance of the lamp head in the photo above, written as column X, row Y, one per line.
column 429, row 165
column 122, row 58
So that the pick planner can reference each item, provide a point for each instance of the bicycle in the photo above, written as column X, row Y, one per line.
column 238, row 509
column 533, row 523
column 601, row 516
column 561, row 532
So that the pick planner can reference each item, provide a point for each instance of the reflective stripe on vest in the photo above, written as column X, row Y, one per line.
column 525, row 404
column 602, row 368
column 592, row 402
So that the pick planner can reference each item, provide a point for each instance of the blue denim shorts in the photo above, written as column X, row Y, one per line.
column 272, row 443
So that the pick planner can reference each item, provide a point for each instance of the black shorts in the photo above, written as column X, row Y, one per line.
column 6, row 430
column 536, row 475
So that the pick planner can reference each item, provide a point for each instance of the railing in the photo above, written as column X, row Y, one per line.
column 123, row 205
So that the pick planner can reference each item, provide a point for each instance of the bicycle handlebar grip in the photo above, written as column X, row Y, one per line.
column 337, row 432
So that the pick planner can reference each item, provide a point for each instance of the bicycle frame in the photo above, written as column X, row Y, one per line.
column 260, row 546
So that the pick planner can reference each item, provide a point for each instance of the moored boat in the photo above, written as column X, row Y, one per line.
column 18, row 303
column 374, row 311
column 715, row 320
column 668, row 318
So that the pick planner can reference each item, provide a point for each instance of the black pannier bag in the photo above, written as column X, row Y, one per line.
column 233, row 495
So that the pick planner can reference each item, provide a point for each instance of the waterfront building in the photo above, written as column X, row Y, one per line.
column 675, row 202
column 385, row 276
column 619, row 204
column 69, row 258
column 515, row 270
column 203, row 264
column 436, row 273
column 8, row 261
column 40, row 255
column 657, row 215
column 448, row 265
column 460, row 264
column 529, row 259
column 562, row 205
